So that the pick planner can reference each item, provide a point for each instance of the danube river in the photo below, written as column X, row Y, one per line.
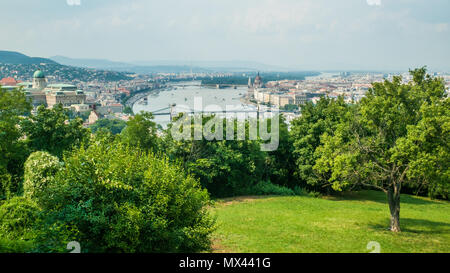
column 184, row 95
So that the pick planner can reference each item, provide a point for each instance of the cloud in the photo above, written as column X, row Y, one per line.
column 374, row 2
column 74, row 2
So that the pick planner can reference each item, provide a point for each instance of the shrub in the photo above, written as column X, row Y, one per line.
column 315, row 194
column 300, row 191
column 40, row 169
column 5, row 183
column 15, row 246
column 120, row 199
column 267, row 188
column 17, row 218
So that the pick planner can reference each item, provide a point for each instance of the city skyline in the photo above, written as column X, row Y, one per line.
column 299, row 35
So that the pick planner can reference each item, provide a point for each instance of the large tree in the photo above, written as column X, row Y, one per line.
column 369, row 147
column 13, row 152
column 141, row 131
column 316, row 119
column 51, row 130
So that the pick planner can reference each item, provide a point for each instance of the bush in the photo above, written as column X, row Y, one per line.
column 40, row 169
column 17, row 218
column 15, row 246
column 315, row 194
column 299, row 191
column 120, row 199
column 5, row 183
column 267, row 188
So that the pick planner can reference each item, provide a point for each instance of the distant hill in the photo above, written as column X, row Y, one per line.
column 11, row 57
column 90, row 63
column 228, row 66
column 22, row 67
column 147, row 67
column 126, row 67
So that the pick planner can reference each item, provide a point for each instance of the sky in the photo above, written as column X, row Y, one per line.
column 295, row 34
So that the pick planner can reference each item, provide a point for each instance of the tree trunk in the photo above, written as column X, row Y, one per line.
column 394, row 207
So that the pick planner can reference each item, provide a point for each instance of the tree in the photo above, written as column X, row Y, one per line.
column 368, row 147
column 224, row 168
column 316, row 120
column 128, row 110
column 282, row 162
column 114, row 126
column 141, row 131
column 50, row 130
column 426, row 148
column 13, row 151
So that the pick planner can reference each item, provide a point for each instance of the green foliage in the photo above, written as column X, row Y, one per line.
column 13, row 151
column 115, row 126
column 50, row 130
column 225, row 168
column 141, row 132
column 364, row 148
column 307, row 130
column 281, row 162
column 40, row 171
column 290, row 107
column 267, row 188
column 15, row 246
column 427, row 148
column 120, row 199
column 5, row 183
column 372, row 147
column 17, row 218
column 128, row 110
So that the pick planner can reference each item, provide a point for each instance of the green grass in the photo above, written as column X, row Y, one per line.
column 344, row 224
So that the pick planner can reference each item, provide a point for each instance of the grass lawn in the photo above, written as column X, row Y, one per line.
column 331, row 224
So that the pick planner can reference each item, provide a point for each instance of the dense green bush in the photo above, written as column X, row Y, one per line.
column 5, row 183
column 267, row 188
column 40, row 170
column 120, row 199
column 17, row 218
column 115, row 126
column 15, row 246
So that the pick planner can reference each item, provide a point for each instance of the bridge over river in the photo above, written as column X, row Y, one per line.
column 172, row 113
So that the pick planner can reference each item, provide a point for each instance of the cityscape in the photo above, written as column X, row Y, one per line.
column 110, row 97
column 225, row 135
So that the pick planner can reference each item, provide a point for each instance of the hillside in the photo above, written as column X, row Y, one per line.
column 11, row 57
column 90, row 63
column 22, row 67
column 340, row 224
column 127, row 67
column 148, row 67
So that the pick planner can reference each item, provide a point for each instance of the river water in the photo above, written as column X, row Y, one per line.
column 186, row 94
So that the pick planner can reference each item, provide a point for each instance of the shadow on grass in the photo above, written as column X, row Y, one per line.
column 421, row 226
column 241, row 199
column 380, row 197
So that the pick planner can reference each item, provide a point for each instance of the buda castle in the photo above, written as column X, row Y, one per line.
column 49, row 95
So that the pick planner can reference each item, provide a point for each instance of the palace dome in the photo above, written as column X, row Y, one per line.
column 38, row 74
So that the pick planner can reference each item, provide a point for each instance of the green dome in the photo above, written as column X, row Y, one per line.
column 38, row 74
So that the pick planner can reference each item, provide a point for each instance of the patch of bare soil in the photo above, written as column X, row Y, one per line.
column 240, row 199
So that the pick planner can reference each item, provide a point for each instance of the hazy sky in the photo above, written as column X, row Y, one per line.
column 301, row 34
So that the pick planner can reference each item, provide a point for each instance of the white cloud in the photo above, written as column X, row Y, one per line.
column 74, row 2
column 374, row 2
